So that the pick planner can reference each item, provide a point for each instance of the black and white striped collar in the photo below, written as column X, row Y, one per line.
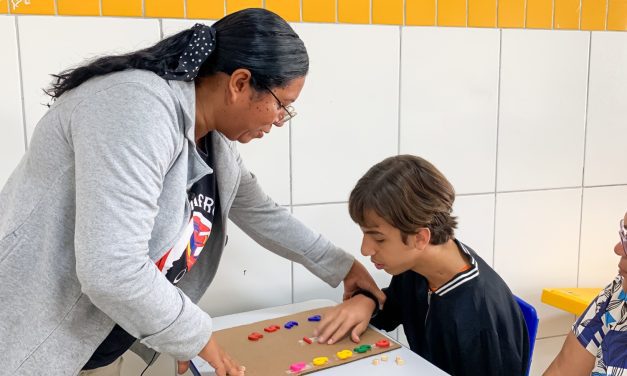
column 462, row 277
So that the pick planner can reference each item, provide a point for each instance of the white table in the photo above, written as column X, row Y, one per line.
column 414, row 364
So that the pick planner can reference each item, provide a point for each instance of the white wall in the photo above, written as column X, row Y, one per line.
column 527, row 124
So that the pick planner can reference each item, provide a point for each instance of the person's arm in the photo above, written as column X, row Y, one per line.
column 276, row 229
column 572, row 360
column 124, row 139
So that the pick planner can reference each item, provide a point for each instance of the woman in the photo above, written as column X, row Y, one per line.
column 596, row 345
column 114, row 222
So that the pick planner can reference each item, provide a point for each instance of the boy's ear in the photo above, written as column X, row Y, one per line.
column 421, row 238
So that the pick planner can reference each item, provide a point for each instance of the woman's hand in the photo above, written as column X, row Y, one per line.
column 358, row 278
column 222, row 362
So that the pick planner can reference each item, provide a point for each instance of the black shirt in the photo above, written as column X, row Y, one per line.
column 203, row 199
column 472, row 325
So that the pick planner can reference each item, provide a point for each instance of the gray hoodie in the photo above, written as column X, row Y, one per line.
column 99, row 196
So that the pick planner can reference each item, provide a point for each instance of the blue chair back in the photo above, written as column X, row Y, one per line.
column 531, row 319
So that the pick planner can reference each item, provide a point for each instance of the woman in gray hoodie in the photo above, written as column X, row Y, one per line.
column 113, row 223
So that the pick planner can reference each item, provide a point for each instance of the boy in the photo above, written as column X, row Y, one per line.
column 456, row 311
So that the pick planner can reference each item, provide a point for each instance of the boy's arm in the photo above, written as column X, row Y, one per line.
column 573, row 359
column 352, row 315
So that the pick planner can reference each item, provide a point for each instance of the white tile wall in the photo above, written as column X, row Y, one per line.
column 475, row 223
column 334, row 222
column 448, row 97
column 449, row 94
column 49, row 45
column 603, row 207
column 542, row 109
column 536, row 246
column 607, row 132
column 249, row 277
column 11, row 124
column 545, row 351
column 348, row 111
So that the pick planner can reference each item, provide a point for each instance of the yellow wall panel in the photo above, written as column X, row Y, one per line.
column 420, row 12
column 353, row 11
column 4, row 6
column 451, row 12
column 511, row 13
column 33, row 7
column 617, row 15
column 233, row 6
column 288, row 9
column 539, row 14
column 566, row 14
column 318, row 10
column 124, row 8
column 164, row 8
column 79, row 7
column 387, row 12
column 205, row 9
column 593, row 14
column 482, row 13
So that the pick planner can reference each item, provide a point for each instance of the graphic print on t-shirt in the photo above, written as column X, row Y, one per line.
column 202, row 198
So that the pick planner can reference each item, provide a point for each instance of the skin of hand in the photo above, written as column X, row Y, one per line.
column 572, row 360
column 213, row 354
column 351, row 315
column 358, row 278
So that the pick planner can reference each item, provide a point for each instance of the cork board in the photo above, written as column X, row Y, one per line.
column 273, row 354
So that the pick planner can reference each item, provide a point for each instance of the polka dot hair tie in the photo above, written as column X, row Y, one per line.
column 200, row 47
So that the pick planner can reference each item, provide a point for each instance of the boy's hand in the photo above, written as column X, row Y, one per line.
column 352, row 314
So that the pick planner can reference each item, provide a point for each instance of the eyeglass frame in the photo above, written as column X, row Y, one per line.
column 622, row 233
column 289, row 110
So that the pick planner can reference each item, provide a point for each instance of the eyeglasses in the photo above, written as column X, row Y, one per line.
column 622, row 232
column 289, row 110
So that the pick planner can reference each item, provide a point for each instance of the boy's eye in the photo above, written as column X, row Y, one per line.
column 379, row 240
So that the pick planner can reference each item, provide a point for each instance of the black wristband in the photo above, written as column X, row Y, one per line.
column 371, row 296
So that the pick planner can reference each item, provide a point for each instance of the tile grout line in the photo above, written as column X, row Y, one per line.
column 400, row 83
column 184, row 14
column 291, row 171
column 21, row 78
column 583, row 164
column 607, row 14
column 496, row 152
column 56, row 8
column 100, row 7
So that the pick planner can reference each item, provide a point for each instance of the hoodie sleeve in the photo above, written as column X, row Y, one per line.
column 124, row 139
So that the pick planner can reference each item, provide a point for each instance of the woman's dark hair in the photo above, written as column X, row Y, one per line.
column 254, row 39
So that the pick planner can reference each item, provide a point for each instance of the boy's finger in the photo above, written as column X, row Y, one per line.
column 182, row 367
column 340, row 332
column 329, row 330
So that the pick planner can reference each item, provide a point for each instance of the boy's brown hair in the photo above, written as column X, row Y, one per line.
column 409, row 193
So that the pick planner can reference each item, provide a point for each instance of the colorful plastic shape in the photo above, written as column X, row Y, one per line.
column 362, row 349
column 308, row 340
column 254, row 336
column 383, row 343
column 344, row 354
column 272, row 328
column 314, row 318
column 290, row 324
column 297, row 367
column 320, row 361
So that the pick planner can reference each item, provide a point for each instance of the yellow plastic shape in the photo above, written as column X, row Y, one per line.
column 320, row 361
column 573, row 300
column 344, row 354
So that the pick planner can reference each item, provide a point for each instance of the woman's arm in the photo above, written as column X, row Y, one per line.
column 572, row 360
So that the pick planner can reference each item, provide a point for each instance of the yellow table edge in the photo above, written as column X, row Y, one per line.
column 573, row 300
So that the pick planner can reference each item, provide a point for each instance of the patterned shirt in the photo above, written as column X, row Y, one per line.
column 602, row 330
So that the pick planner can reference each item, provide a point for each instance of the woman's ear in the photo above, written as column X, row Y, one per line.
column 239, row 84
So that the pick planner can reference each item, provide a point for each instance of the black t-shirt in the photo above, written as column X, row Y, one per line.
column 203, row 200
column 470, row 326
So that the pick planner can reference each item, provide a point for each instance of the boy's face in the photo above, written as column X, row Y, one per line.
column 384, row 245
